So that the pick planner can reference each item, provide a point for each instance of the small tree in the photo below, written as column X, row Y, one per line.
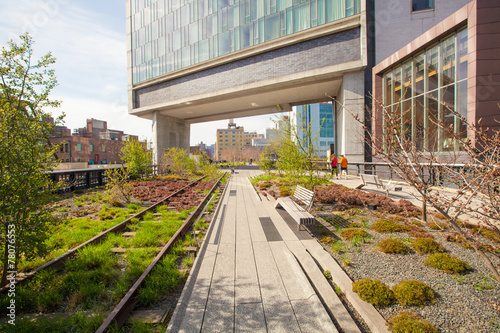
column 137, row 158
column 178, row 161
column 422, row 168
column 25, row 154
column 118, row 185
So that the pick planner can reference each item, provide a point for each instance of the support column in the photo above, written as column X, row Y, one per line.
column 168, row 132
column 350, row 137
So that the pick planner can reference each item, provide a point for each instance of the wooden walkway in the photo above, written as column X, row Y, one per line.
column 255, row 272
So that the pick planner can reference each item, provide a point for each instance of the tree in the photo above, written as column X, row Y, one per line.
column 118, row 185
column 177, row 160
column 428, row 166
column 25, row 154
column 137, row 158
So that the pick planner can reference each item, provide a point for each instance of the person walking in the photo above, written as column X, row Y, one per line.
column 334, row 166
column 343, row 166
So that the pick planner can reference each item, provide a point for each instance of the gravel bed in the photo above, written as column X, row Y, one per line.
column 465, row 303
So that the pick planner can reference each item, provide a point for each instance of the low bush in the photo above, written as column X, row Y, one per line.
column 265, row 185
column 339, row 247
column 447, row 263
column 285, row 191
column 413, row 292
column 373, row 292
column 385, row 226
column 407, row 321
column 427, row 245
column 393, row 246
column 351, row 233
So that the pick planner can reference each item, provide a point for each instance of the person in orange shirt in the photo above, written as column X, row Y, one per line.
column 343, row 166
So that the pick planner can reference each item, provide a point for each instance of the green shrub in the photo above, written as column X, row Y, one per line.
column 384, row 226
column 447, row 263
column 285, row 191
column 373, row 291
column 413, row 292
column 351, row 233
column 265, row 185
column 393, row 246
column 427, row 245
column 407, row 321
column 339, row 247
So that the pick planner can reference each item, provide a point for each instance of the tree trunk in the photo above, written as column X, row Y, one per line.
column 424, row 210
column 3, row 282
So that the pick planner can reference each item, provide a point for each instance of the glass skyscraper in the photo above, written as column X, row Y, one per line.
column 168, row 35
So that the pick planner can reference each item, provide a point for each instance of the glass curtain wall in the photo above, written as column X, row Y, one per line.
column 425, row 90
column 168, row 35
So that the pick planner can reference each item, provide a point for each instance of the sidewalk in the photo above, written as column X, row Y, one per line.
column 255, row 272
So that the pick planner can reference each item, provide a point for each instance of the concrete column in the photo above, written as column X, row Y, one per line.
column 350, row 133
column 168, row 132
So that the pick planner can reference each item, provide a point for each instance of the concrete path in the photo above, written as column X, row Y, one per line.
column 256, row 272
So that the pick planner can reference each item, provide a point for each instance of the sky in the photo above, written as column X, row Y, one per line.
column 88, row 39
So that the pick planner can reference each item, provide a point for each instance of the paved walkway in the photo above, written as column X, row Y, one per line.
column 256, row 272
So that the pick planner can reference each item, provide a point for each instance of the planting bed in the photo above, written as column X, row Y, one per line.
column 78, row 296
column 352, row 234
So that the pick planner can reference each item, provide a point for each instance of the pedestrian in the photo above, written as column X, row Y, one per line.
column 343, row 166
column 334, row 166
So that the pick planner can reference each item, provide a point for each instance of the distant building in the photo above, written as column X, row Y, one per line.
column 58, row 130
column 201, row 148
column 232, row 138
column 320, row 118
column 93, row 144
column 89, row 150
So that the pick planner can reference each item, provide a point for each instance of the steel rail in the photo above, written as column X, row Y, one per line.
column 122, row 311
column 58, row 262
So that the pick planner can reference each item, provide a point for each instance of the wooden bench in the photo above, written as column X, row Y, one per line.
column 374, row 180
column 301, row 215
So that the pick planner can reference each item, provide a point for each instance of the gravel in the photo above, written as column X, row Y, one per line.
column 465, row 303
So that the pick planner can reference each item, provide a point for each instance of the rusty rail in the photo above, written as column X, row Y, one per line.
column 58, row 262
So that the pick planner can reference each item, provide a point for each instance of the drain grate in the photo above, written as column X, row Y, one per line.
column 232, row 193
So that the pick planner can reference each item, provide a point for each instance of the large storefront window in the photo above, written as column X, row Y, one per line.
column 427, row 91
column 168, row 35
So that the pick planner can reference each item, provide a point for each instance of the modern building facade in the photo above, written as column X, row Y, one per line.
column 315, row 126
column 197, row 61
column 454, row 65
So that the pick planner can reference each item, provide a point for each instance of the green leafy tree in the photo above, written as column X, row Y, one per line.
column 178, row 161
column 118, row 185
column 25, row 154
column 137, row 158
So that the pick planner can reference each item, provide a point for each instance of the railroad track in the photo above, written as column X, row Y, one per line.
column 121, row 312
column 59, row 261
column 124, row 309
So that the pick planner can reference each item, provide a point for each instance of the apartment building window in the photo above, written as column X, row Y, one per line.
column 103, row 148
column 418, row 5
column 91, row 147
column 78, row 147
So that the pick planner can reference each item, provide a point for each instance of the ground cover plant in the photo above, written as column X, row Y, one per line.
column 413, row 292
column 407, row 321
column 447, row 263
column 373, row 292
column 364, row 260
column 391, row 245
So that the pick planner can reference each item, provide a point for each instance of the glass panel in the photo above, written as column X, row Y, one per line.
column 432, row 63
column 246, row 37
column 462, row 108
column 321, row 11
column 272, row 26
column 419, row 123
column 388, row 89
column 283, row 4
column 448, row 105
column 418, row 65
column 462, row 41
column 224, row 44
column 422, row 5
column 396, row 85
column 193, row 33
column 407, row 80
column 301, row 20
column 448, row 57
column 203, row 51
column 335, row 10
column 432, row 121
column 289, row 21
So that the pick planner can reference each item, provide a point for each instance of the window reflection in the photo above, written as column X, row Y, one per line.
column 199, row 27
column 430, row 90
